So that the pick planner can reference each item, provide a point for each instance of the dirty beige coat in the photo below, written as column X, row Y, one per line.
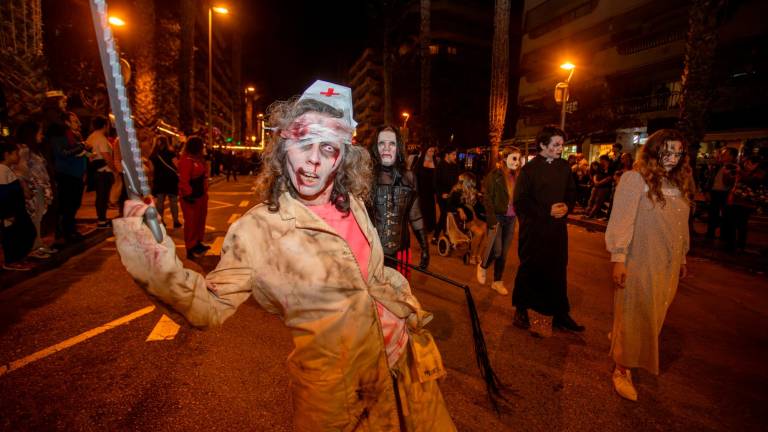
column 297, row 267
column 652, row 241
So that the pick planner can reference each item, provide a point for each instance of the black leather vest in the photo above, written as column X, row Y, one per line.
column 393, row 207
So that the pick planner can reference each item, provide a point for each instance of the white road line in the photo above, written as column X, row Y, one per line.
column 244, row 203
column 233, row 218
column 231, row 193
column 165, row 329
column 17, row 364
column 210, row 228
column 215, row 249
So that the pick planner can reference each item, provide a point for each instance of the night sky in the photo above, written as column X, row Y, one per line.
column 288, row 44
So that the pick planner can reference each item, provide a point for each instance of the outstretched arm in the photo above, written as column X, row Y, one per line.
column 204, row 301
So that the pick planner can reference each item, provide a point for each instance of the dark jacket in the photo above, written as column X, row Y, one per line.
column 496, row 198
column 166, row 179
column 395, row 203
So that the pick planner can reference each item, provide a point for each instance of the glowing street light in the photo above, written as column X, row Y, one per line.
column 221, row 10
column 407, row 116
column 115, row 21
column 250, row 89
column 563, row 87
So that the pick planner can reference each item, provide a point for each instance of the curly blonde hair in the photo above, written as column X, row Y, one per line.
column 354, row 175
column 650, row 167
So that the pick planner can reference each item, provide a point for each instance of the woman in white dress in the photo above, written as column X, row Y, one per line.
column 647, row 237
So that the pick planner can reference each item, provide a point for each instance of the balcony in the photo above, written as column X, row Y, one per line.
column 645, row 104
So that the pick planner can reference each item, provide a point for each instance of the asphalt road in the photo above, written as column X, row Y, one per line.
column 66, row 365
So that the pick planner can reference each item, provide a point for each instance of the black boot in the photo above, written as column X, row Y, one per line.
column 565, row 322
column 521, row 320
column 421, row 237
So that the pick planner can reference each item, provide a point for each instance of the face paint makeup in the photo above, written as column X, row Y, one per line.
column 553, row 149
column 671, row 154
column 387, row 146
column 314, row 151
column 513, row 161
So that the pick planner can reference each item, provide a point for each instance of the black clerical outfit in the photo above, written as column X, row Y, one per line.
column 541, row 282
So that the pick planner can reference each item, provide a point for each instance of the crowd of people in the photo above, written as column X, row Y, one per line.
column 49, row 163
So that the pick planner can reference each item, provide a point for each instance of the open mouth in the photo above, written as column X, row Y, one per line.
column 308, row 178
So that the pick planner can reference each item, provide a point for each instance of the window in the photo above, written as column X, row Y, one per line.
column 452, row 50
column 434, row 49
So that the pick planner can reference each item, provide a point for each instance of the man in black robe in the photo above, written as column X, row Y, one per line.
column 544, row 194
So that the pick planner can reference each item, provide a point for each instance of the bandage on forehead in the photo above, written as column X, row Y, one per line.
column 313, row 127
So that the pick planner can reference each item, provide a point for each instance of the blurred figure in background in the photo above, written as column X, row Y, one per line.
column 193, row 188
column 103, row 161
column 18, row 232
column 165, row 182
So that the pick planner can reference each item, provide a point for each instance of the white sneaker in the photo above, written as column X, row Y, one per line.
column 622, row 383
column 498, row 286
column 481, row 274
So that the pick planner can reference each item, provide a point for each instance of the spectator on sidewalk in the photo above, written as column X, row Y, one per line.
column 103, row 161
column 70, row 164
column 583, row 179
column 602, row 181
column 626, row 165
column 165, row 182
column 16, row 228
column 446, row 176
column 230, row 165
column 749, row 193
column 193, row 188
column 722, row 184
column 29, row 136
column 647, row 237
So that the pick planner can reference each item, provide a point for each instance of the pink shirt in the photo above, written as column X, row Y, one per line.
column 395, row 334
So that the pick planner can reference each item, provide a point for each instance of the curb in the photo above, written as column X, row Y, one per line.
column 96, row 236
column 754, row 263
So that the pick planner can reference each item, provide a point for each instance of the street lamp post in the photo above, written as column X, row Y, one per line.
column 223, row 11
column 570, row 67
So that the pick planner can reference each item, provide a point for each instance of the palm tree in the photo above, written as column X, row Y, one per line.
column 186, row 65
column 703, row 20
column 146, row 74
column 426, row 82
column 499, row 77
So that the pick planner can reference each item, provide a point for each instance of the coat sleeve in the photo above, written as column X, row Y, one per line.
column 204, row 301
column 490, row 212
column 414, row 213
column 621, row 225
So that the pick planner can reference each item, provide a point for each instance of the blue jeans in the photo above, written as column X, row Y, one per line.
column 501, row 245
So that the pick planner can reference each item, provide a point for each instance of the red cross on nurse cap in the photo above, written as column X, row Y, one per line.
column 335, row 95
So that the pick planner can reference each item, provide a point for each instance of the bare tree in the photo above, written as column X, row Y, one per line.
column 703, row 21
column 499, row 78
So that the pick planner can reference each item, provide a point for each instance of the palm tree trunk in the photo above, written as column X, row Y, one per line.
column 426, row 73
column 703, row 21
column 146, row 74
column 186, row 65
column 499, row 78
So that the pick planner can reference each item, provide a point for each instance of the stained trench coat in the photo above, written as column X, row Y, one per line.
column 297, row 267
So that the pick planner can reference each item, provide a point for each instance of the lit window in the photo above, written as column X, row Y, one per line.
column 434, row 49
column 452, row 50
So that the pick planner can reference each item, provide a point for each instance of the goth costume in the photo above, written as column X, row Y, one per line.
column 395, row 204
column 541, row 282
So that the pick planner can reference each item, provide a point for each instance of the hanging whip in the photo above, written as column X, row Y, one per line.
column 493, row 385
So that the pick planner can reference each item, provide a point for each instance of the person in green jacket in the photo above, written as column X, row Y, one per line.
column 497, row 198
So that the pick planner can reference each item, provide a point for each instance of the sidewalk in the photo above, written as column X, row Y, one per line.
column 753, row 259
column 86, row 225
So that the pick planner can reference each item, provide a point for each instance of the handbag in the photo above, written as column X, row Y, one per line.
column 427, row 363
column 198, row 187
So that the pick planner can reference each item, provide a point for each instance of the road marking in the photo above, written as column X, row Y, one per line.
column 233, row 218
column 210, row 228
column 221, row 205
column 244, row 203
column 232, row 193
column 215, row 249
column 165, row 329
column 17, row 364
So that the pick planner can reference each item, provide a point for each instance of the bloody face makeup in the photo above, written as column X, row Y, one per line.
column 670, row 154
column 314, row 152
column 387, row 147
column 553, row 149
column 513, row 161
